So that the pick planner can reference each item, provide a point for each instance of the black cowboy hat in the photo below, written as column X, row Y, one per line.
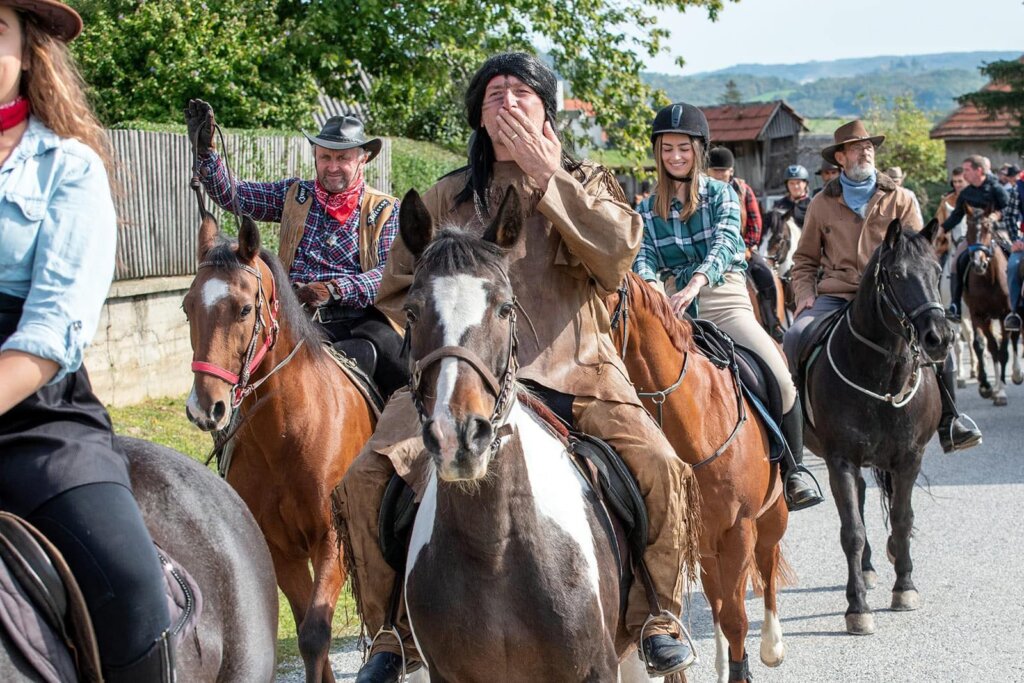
column 827, row 166
column 56, row 18
column 345, row 132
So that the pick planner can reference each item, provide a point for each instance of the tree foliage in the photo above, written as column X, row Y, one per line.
column 1009, row 99
column 144, row 60
column 731, row 94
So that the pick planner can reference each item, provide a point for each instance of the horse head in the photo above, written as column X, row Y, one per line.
column 460, row 329
column 779, row 228
column 904, row 274
column 231, row 308
column 981, row 228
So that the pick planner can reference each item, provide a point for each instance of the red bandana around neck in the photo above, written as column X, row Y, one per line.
column 342, row 204
column 13, row 113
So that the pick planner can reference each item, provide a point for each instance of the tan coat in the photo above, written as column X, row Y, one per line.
column 840, row 242
column 579, row 242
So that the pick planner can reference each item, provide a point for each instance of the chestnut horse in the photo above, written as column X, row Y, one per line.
column 987, row 297
column 744, row 515
column 296, row 420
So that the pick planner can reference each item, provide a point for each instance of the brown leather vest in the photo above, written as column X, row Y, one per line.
column 374, row 211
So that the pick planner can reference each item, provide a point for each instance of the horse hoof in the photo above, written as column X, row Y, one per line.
column 1018, row 379
column 870, row 579
column 905, row 601
column 860, row 624
column 961, row 384
column 984, row 391
column 772, row 655
column 999, row 401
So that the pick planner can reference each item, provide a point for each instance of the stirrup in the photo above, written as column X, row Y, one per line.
column 401, row 646
column 974, row 426
column 682, row 631
column 800, row 469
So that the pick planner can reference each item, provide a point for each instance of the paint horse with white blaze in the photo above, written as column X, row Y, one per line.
column 511, row 573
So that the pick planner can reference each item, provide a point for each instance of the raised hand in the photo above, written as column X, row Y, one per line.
column 199, row 119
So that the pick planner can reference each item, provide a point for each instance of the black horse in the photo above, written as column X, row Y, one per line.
column 873, row 401
column 202, row 523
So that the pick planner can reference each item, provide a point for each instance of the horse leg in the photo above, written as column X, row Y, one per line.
column 768, row 554
column 866, row 568
column 1003, row 360
column 1018, row 375
column 843, row 476
column 734, row 565
column 711, row 581
column 294, row 580
column 996, row 347
column 904, row 594
column 984, row 389
column 315, row 632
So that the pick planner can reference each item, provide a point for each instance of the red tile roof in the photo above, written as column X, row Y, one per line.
column 572, row 104
column 738, row 122
column 970, row 122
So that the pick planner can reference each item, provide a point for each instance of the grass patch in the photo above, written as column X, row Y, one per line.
column 163, row 421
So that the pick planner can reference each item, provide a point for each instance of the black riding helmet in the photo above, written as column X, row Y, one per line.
column 681, row 118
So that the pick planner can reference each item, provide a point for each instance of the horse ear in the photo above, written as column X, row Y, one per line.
column 969, row 210
column 208, row 233
column 893, row 234
column 414, row 223
column 507, row 226
column 931, row 230
column 248, row 240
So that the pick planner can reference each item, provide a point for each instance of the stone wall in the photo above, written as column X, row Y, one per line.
column 141, row 349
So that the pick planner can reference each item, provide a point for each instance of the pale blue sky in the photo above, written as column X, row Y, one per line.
column 792, row 31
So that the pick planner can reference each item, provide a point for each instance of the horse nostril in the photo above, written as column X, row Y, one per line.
column 432, row 436
column 478, row 433
column 219, row 410
column 933, row 340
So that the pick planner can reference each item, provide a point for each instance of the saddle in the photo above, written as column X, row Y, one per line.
column 357, row 358
column 43, row 611
column 807, row 349
column 756, row 380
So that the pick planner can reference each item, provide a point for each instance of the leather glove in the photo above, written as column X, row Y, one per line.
column 313, row 294
column 199, row 119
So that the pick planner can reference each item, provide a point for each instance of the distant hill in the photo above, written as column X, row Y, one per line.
column 858, row 66
column 840, row 88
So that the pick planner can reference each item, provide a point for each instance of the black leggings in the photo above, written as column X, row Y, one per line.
column 392, row 370
column 956, row 280
column 762, row 276
column 99, row 530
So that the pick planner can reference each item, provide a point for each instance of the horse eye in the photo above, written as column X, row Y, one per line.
column 246, row 310
column 410, row 315
column 505, row 310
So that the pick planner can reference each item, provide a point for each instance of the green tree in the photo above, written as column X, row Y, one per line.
column 908, row 146
column 420, row 55
column 1007, row 96
column 144, row 60
column 731, row 94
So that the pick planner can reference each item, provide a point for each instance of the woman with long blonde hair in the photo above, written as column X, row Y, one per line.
column 59, row 467
column 692, row 234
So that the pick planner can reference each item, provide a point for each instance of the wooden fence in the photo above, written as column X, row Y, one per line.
column 158, row 216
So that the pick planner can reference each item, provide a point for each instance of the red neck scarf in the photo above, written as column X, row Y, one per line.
column 340, row 205
column 13, row 113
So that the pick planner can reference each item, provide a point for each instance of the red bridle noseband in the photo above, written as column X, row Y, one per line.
column 240, row 386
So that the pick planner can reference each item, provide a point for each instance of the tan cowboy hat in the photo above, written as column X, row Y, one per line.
column 894, row 172
column 854, row 131
column 54, row 17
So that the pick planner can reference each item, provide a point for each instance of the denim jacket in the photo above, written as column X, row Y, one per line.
column 58, row 235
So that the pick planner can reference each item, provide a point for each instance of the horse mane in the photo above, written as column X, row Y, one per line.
column 657, row 304
column 455, row 251
column 224, row 255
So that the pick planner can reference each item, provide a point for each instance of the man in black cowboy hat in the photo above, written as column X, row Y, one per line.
column 336, row 234
column 828, row 173
column 843, row 226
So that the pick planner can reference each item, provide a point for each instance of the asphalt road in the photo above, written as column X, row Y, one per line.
column 968, row 553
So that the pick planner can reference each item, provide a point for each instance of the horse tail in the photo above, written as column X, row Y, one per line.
column 884, row 481
column 675, row 678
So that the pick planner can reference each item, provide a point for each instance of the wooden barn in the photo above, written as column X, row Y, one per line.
column 763, row 136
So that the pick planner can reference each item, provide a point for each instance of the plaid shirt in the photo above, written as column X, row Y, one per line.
column 1012, row 213
column 752, row 228
column 709, row 242
column 328, row 250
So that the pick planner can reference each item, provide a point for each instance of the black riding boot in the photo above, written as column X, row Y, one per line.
column 954, row 433
column 666, row 655
column 768, row 315
column 383, row 667
column 956, row 288
column 800, row 494
column 156, row 666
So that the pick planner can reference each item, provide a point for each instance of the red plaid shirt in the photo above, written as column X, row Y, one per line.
column 329, row 250
column 752, row 228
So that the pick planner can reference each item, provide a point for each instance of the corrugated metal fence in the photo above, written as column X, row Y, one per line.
column 157, row 209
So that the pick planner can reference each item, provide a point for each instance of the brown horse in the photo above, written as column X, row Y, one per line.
column 295, row 420
column 744, row 515
column 987, row 296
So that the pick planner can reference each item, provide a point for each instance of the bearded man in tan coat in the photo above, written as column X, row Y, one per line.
column 845, row 223
column 580, row 239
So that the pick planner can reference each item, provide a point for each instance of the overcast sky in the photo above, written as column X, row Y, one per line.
column 791, row 31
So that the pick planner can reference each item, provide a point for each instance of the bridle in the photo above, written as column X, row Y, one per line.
column 907, row 332
column 240, row 386
column 502, row 389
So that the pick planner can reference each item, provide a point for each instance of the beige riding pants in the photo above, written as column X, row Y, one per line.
column 728, row 306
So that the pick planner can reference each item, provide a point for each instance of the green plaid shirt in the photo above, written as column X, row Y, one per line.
column 709, row 242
